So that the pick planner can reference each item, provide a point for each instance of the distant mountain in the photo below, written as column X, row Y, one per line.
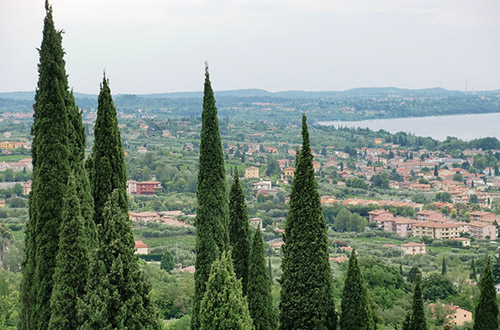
column 247, row 93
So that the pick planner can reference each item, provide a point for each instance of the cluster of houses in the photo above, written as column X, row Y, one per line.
column 434, row 225
column 19, row 166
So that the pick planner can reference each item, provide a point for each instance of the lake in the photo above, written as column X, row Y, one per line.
column 465, row 127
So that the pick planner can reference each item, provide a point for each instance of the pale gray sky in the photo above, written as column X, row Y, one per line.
column 150, row 46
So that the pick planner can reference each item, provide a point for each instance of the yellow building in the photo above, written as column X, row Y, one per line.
column 7, row 145
column 252, row 172
column 437, row 230
column 290, row 171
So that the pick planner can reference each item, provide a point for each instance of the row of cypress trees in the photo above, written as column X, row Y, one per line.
column 80, row 271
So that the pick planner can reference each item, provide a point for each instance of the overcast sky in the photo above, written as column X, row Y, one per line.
column 151, row 46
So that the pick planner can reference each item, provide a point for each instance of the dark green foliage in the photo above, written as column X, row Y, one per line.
column 223, row 306
column 356, row 312
column 77, row 163
column 107, row 162
column 270, row 269
column 413, row 274
column 473, row 270
column 117, row 295
column 212, row 212
column 437, row 286
column 406, row 322
column 495, row 268
column 167, row 261
column 443, row 267
column 238, row 232
column 306, row 283
column 50, row 154
column 418, row 321
column 486, row 313
column 72, row 263
column 260, row 300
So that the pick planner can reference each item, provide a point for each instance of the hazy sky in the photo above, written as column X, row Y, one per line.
column 150, row 46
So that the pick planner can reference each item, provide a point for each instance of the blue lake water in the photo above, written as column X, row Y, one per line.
column 465, row 127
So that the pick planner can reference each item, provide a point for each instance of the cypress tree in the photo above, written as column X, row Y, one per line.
column 223, row 306
column 270, row 269
column 356, row 311
column 306, row 283
column 260, row 300
column 77, row 140
column 117, row 295
column 239, row 232
column 443, row 266
column 211, row 222
column 72, row 263
column 486, row 314
column 473, row 270
column 107, row 162
column 50, row 156
column 418, row 321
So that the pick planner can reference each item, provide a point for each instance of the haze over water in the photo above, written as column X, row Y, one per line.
column 465, row 127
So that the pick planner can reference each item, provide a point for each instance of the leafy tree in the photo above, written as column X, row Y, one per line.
column 356, row 312
column 212, row 212
column 50, row 154
column 167, row 261
column 486, row 313
column 72, row 263
column 473, row 199
column 306, row 282
column 436, row 286
column 117, row 296
column 341, row 220
column 495, row 269
column 418, row 321
column 443, row 267
column 239, row 232
column 260, row 300
column 443, row 197
column 407, row 322
column 273, row 168
column 223, row 306
column 106, row 163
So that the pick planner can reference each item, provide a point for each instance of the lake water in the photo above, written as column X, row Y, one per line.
column 465, row 127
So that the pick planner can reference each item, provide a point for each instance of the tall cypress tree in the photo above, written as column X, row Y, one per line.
column 223, row 306
column 107, row 161
column 117, row 295
column 50, row 154
column 356, row 312
column 443, row 266
column 77, row 140
column 418, row 321
column 260, row 300
column 72, row 263
column 486, row 314
column 239, row 232
column 212, row 212
column 306, row 283
column 473, row 270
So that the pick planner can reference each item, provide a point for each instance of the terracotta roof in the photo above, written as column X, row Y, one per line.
column 140, row 244
column 413, row 244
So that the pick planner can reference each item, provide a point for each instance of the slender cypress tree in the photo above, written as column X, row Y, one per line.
column 223, row 306
column 270, row 269
column 117, row 295
column 473, row 270
column 212, row 236
column 77, row 163
column 239, row 232
column 486, row 314
column 443, row 266
column 72, row 263
column 50, row 154
column 107, row 162
column 418, row 321
column 260, row 300
column 306, row 283
column 356, row 311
